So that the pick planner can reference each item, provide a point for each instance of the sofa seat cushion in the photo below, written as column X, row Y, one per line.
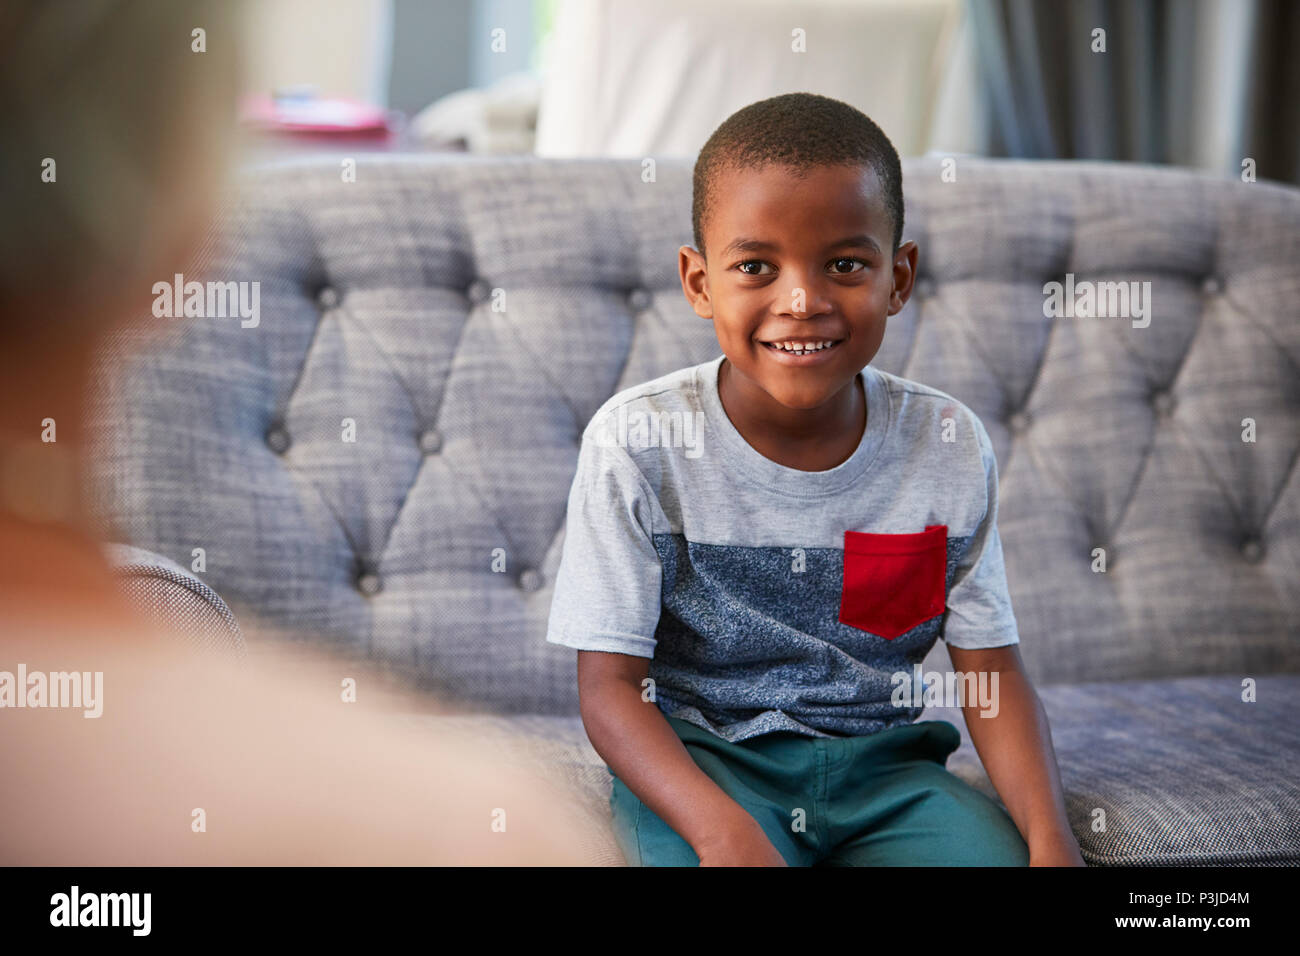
column 1184, row 771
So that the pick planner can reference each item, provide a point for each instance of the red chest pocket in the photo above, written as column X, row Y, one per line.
column 893, row 582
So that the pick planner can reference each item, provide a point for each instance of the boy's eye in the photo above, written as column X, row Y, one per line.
column 835, row 265
column 836, row 262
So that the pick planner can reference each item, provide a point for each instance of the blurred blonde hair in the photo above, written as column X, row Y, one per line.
column 139, row 127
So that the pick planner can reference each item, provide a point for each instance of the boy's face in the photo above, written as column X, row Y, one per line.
column 804, row 259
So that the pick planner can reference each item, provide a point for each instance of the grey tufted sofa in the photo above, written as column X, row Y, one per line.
column 470, row 315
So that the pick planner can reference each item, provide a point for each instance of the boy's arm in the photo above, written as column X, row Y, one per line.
column 1015, row 743
column 634, row 738
column 607, row 603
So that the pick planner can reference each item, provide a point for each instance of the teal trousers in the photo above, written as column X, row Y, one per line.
column 881, row 800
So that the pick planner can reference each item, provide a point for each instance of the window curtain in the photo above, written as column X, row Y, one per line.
column 1205, row 83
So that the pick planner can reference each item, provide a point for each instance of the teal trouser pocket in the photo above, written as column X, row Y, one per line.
column 880, row 800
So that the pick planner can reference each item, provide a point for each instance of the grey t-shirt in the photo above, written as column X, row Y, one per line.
column 770, row 598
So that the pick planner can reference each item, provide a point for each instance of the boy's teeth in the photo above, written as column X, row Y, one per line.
column 801, row 349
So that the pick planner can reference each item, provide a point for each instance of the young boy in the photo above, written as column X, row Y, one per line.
column 757, row 545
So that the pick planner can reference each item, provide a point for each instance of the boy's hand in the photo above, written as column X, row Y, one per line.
column 1056, row 853
column 741, row 843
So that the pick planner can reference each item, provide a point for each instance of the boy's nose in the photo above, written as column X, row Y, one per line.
column 807, row 298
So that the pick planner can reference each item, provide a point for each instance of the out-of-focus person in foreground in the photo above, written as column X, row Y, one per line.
column 115, row 136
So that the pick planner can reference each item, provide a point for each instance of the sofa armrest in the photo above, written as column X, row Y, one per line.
column 175, row 599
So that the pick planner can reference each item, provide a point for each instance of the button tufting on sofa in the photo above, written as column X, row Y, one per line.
column 530, row 579
column 1252, row 549
column 1212, row 285
column 277, row 439
column 639, row 299
column 1164, row 403
column 430, row 441
column 1018, row 421
column 327, row 298
column 369, row 583
column 477, row 291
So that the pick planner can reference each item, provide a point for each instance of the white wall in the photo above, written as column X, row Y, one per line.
column 343, row 47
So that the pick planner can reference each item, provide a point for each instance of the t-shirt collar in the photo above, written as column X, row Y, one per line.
column 743, row 459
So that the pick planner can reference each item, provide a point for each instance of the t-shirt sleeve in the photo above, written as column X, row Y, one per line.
column 979, row 603
column 607, row 590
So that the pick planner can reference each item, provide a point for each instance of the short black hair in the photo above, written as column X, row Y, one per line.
column 801, row 131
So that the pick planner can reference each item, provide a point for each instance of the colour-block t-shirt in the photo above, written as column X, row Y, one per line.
column 770, row 598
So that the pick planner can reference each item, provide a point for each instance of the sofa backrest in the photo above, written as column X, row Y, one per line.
column 467, row 316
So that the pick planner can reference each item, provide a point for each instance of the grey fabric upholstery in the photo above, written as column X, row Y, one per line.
column 469, row 316
column 175, row 599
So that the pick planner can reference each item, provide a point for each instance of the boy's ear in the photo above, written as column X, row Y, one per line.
column 904, row 276
column 695, row 284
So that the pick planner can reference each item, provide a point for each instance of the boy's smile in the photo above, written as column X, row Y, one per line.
column 799, row 284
